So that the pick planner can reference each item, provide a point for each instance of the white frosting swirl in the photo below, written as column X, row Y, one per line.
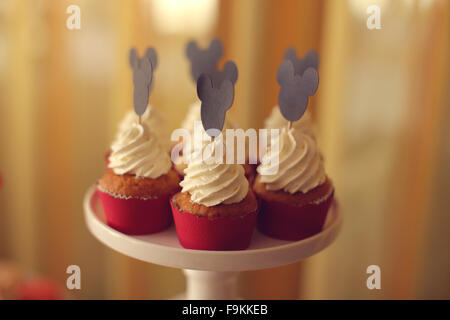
column 193, row 115
column 154, row 120
column 277, row 121
column 136, row 151
column 210, row 183
column 300, row 163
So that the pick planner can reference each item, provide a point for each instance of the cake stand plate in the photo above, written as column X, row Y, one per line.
column 210, row 274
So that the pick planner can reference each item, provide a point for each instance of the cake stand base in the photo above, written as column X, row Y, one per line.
column 209, row 274
column 210, row 285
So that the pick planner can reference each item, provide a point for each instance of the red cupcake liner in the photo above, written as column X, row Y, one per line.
column 223, row 233
column 287, row 222
column 136, row 216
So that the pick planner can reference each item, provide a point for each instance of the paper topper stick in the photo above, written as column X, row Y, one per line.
column 142, row 80
column 203, row 60
column 215, row 103
column 295, row 90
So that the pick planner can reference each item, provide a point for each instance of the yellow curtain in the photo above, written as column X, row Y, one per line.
column 379, row 112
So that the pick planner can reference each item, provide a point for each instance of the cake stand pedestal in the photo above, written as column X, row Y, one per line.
column 209, row 274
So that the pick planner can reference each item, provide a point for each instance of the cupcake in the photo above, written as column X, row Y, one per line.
column 149, row 115
column 205, row 61
column 216, row 209
column 136, row 189
column 295, row 198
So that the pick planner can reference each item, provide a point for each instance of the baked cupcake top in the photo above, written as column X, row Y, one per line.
column 137, row 151
column 154, row 120
column 210, row 181
column 300, row 164
column 277, row 121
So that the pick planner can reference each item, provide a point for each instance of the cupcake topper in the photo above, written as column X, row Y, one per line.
column 204, row 61
column 311, row 59
column 216, row 100
column 142, row 78
column 150, row 53
column 229, row 72
column 295, row 90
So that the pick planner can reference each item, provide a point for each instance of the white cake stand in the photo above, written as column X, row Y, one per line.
column 209, row 274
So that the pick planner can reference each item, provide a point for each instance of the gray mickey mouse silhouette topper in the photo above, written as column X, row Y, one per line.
column 135, row 60
column 311, row 59
column 204, row 60
column 150, row 53
column 295, row 90
column 229, row 72
column 142, row 78
column 215, row 103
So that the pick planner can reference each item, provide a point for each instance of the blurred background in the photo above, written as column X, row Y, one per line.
column 380, row 111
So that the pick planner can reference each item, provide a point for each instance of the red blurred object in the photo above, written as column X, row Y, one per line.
column 39, row 289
